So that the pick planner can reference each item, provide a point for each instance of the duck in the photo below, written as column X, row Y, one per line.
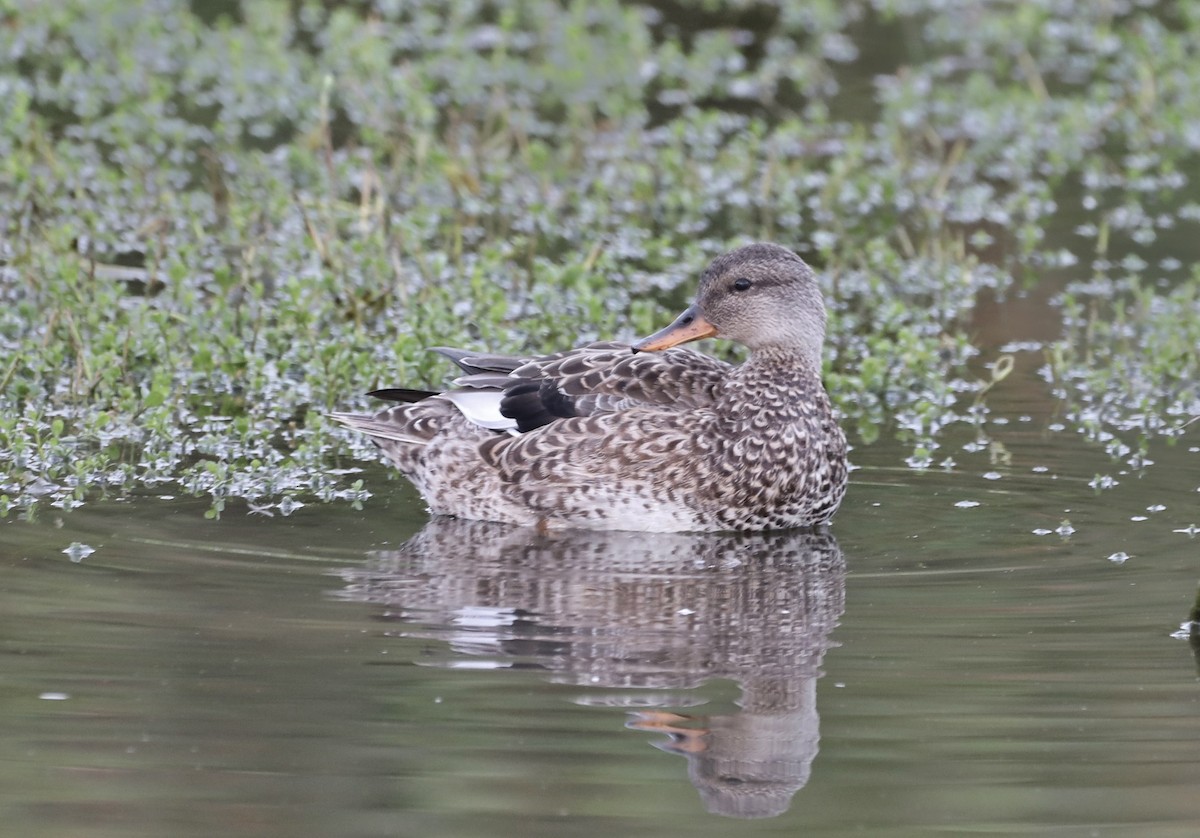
column 650, row 436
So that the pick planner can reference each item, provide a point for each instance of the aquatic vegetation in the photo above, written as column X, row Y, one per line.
column 217, row 225
column 1128, row 365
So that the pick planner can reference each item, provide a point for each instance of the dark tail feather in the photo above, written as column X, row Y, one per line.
column 402, row 394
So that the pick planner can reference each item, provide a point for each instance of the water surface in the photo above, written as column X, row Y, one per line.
column 932, row 664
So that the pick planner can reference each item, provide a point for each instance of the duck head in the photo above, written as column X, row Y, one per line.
column 759, row 295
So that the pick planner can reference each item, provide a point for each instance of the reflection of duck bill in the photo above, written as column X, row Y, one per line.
column 683, row 741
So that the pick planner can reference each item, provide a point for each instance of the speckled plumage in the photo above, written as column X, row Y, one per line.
column 605, row 437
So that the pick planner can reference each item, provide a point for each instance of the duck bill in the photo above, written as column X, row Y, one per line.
column 689, row 326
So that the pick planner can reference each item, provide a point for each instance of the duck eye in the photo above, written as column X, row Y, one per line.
column 741, row 284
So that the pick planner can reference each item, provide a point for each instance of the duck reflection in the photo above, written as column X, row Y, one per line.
column 664, row 611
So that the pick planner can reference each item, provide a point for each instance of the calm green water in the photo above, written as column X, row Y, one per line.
column 931, row 668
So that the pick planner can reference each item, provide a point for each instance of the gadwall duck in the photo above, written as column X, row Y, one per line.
column 648, row 437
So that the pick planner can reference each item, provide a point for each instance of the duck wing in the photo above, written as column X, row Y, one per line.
column 517, row 394
column 600, row 378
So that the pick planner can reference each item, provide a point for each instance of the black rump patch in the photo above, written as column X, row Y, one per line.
column 536, row 403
